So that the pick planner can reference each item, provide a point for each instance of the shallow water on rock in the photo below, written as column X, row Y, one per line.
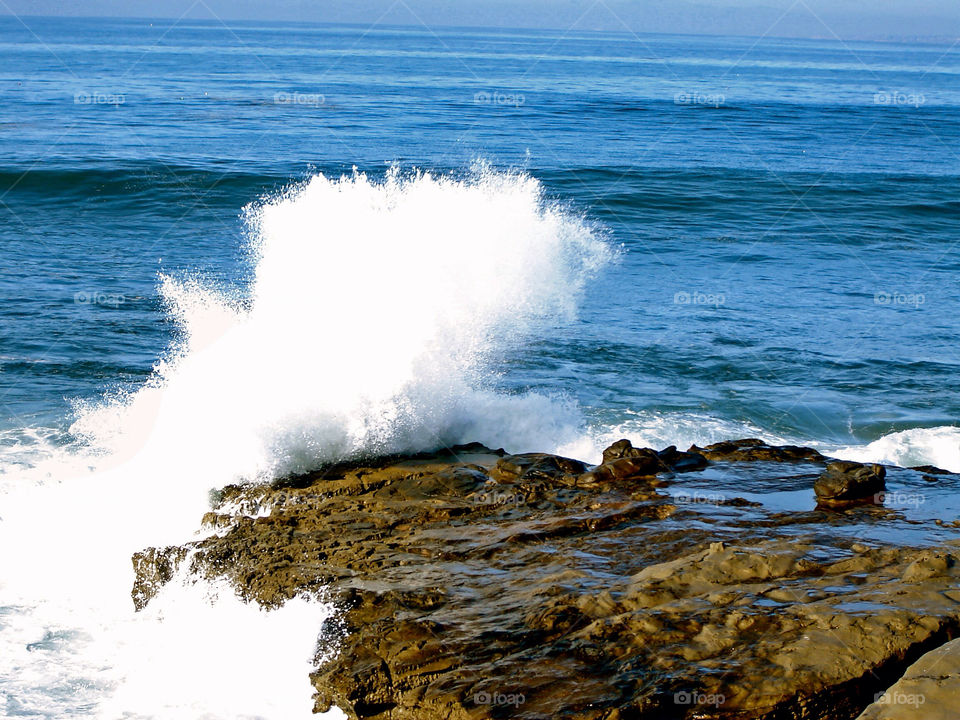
column 906, row 514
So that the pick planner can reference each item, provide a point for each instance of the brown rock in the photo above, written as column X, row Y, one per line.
column 931, row 470
column 753, row 450
column 845, row 481
column 477, row 585
column 622, row 461
column 152, row 569
column 536, row 465
column 929, row 690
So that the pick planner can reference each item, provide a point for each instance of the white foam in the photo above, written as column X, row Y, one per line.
column 659, row 430
column 191, row 654
column 938, row 446
column 374, row 312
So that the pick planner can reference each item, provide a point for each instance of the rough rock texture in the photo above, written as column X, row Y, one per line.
column 930, row 689
column 475, row 584
column 151, row 570
column 752, row 450
column 844, row 481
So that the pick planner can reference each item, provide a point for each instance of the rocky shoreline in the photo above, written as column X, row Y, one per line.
column 734, row 581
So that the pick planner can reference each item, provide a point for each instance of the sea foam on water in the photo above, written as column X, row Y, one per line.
column 374, row 313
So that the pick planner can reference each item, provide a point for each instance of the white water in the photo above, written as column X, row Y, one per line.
column 375, row 309
column 373, row 316
column 374, row 312
column 939, row 446
column 659, row 430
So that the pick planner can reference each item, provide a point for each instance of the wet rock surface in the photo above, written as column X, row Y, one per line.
column 753, row 450
column 845, row 481
column 658, row 584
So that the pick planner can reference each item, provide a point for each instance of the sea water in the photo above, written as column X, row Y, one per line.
column 231, row 253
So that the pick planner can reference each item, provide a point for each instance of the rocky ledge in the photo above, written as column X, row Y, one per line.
column 733, row 581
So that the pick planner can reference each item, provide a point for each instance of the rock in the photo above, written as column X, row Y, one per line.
column 845, row 481
column 930, row 689
column 152, row 569
column 537, row 465
column 931, row 473
column 740, row 502
column 929, row 565
column 931, row 470
column 476, row 584
column 753, row 450
column 622, row 461
column 626, row 467
column 620, row 449
column 476, row 448
column 679, row 461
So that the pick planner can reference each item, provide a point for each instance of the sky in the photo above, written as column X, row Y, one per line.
column 845, row 19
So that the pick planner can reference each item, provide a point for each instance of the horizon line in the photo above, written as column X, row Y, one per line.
column 884, row 40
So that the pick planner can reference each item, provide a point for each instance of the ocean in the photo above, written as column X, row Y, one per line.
column 229, row 253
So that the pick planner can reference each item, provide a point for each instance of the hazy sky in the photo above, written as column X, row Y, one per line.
column 849, row 19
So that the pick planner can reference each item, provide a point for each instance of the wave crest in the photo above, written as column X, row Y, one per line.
column 375, row 310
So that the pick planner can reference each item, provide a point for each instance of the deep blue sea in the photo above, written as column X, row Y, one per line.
column 263, row 246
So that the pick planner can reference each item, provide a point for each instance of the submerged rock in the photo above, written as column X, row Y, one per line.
column 477, row 584
column 931, row 470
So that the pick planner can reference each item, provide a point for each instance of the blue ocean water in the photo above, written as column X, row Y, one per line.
column 758, row 237
column 788, row 209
